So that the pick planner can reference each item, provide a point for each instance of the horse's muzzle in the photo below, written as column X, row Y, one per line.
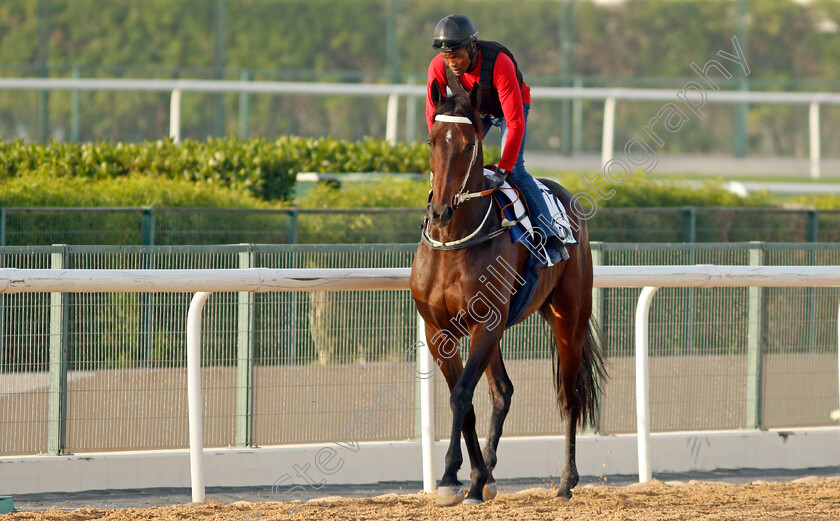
column 439, row 215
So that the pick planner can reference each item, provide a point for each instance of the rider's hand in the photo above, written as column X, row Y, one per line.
column 497, row 179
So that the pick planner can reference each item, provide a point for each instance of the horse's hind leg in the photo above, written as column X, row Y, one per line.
column 501, row 391
column 568, row 320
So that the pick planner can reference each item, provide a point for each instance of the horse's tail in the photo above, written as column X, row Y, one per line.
column 592, row 374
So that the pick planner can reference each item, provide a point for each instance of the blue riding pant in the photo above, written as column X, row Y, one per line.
column 522, row 178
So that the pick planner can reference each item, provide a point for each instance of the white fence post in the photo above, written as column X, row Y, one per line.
column 194, row 395
column 608, row 131
column 643, row 383
column 391, row 121
column 426, row 369
column 175, row 115
column 814, row 135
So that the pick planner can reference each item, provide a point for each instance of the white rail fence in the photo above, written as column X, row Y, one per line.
column 205, row 282
column 395, row 91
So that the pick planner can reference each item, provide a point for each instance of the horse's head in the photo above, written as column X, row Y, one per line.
column 455, row 150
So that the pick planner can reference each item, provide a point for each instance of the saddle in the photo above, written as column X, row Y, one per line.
column 516, row 213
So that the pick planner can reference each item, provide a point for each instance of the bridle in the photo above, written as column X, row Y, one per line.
column 461, row 196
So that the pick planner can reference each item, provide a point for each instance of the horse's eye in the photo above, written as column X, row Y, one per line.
column 429, row 142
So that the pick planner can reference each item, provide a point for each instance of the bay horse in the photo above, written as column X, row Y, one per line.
column 452, row 288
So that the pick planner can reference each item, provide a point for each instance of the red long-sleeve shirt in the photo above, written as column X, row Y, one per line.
column 511, row 98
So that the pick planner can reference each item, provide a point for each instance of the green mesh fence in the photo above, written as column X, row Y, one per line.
column 180, row 226
column 319, row 358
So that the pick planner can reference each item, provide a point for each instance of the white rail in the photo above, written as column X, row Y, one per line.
column 203, row 282
column 395, row 91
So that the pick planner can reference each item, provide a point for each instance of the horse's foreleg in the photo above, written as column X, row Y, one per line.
column 501, row 392
column 483, row 344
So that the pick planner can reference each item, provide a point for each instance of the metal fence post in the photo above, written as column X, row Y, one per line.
column 690, row 226
column 147, row 227
column 195, row 405
column 597, row 310
column 245, row 358
column 2, row 265
column 755, row 341
column 643, row 382
column 2, row 301
column 691, row 293
column 290, row 353
column 810, row 293
column 426, row 368
column 292, row 227
column 146, row 336
column 57, row 415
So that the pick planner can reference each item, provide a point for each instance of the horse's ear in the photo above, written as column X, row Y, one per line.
column 475, row 96
column 436, row 92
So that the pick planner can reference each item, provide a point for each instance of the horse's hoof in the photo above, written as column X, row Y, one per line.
column 565, row 495
column 471, row 501
column 448, row 496
column 489, row 491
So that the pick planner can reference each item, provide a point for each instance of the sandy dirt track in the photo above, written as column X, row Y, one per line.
column 800, row 500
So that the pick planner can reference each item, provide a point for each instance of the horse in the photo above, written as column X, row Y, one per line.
column 455, row 271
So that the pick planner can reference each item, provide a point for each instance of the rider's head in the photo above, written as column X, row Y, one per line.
column 455, row 38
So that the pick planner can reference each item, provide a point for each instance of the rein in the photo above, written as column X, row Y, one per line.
column 462, row 196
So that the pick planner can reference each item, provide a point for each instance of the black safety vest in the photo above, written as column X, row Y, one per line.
column 490, row 103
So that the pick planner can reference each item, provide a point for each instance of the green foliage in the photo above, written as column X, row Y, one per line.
column 389, row 193
column 639, row 191
column 43, row 190
column 819, row 202
column 265, row 169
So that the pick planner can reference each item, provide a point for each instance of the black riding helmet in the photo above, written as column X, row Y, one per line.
column 453, row 32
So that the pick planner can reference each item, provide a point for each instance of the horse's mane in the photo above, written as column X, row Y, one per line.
column 459, row 105
column 456, row 105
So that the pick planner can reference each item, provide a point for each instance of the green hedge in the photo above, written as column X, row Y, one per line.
column 267, row 169
column 42, row 190
column 638, row 192
column 258, row 173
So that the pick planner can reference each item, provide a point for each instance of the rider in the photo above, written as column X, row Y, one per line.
column 505, row 103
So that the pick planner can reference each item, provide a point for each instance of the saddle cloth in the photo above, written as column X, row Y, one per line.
column 516, row 211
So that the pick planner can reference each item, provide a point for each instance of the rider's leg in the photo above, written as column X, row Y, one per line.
column 541, row 215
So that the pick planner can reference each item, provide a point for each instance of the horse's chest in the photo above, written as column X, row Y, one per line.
column 447, row 287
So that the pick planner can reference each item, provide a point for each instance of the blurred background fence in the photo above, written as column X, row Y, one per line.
column 105, row 372
column 790, row 46
column 204, row 226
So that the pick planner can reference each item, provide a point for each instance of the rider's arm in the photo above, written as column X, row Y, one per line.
column 435, row 72
column 510, row 96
